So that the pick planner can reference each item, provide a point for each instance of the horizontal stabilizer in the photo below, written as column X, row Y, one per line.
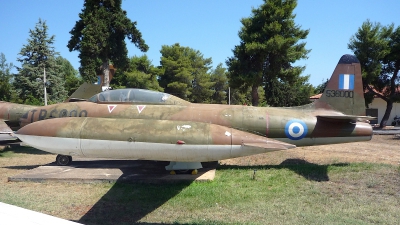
column 6, row 134
column 346, row 118
column 271, row 145
column 4, row 128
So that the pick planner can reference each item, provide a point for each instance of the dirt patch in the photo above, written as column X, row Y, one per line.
column 381, row 149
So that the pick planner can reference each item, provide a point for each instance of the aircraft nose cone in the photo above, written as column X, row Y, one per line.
column 48, row 128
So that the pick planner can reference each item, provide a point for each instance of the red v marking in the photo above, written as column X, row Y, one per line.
column 140, row 108
column 111, row 108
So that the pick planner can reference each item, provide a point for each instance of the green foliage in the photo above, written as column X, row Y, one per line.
column 220, row 87
column 100, row 35
column 239, row 97
column 5, row 78
column 320, row 88
column 36, row 56
column 377, row 47
column 370, row 46
column 281, row 93
column 69, row 74
column 140, row 74
column 186, row 73
column 202, row 84
column 269, row 46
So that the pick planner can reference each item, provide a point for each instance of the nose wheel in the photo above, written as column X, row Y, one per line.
column 63, row 160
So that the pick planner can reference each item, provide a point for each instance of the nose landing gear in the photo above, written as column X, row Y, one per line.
column 63, row 160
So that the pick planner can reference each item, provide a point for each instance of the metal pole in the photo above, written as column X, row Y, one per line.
column 229, row 94
column 44, row 84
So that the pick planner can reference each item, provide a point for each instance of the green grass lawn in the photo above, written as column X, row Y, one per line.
column 293, row 193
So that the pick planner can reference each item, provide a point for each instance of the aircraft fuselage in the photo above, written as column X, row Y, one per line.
column 291, row 125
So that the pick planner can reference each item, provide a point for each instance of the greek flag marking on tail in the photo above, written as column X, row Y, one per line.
column 346, row 81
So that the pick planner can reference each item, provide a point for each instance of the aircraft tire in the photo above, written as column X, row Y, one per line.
column 63, row 160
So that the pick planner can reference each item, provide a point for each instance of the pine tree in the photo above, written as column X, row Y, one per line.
column 186, row 73
column 5, row 78
column 140, row 74
column 268, row 48
column 377, row 47
column 69, row 74
column 220, row 87
column 99, row 36
column 36, row 57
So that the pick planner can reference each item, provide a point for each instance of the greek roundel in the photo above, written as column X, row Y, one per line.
column 296, row 129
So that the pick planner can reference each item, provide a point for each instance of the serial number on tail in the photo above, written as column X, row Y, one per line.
column 340, row 94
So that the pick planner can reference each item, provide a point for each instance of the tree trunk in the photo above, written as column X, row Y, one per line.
column 389, row 106
column 389, row 102
column 106, row 73
column 254, row 95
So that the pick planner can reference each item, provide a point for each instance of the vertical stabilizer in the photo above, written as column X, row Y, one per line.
column 344, row 91
column 84, row 92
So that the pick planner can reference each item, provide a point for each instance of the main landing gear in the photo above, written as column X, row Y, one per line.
column 63, row 160
column 193, row 172
column 183, row 167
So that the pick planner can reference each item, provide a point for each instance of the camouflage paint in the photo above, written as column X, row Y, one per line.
column 335, row 118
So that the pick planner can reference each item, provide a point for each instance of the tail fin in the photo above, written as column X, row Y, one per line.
column 84, row 92
column 344, row 91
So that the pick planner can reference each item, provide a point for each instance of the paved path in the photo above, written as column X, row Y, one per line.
column 89, row 171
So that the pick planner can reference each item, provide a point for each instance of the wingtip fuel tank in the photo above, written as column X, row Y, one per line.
column 142, row 139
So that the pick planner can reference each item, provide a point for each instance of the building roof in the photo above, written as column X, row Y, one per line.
column 318, row 96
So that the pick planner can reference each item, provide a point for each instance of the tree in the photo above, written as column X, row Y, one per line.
column 201, row 84
column 239, row 97
column 269, row 46
column 320, row 88
column 99, row 36
column 220, row 87
column 377, row 48
column 186, row 73
column 140, row 74
column 69, row 74
column 5, row 77
column 36, row 56
column 284, row 94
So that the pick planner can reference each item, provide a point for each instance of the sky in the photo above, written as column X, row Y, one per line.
column 210, row 26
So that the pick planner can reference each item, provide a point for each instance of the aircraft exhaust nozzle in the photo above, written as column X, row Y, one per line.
column 363, row 129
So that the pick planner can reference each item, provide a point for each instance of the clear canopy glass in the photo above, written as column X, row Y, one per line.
column 132, row 95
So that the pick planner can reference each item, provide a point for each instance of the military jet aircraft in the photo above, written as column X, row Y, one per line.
column 148, row 125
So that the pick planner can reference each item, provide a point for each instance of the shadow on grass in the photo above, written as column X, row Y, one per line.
column 127, row 203
column 310, row 171
column 17, row 148
column 27, row 167
column 131, row 198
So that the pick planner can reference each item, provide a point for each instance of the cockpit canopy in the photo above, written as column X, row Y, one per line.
column 133, row 95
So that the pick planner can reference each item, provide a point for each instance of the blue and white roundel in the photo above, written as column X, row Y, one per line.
column 296, row 129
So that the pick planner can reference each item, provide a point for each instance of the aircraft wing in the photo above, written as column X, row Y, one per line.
column 345, row 118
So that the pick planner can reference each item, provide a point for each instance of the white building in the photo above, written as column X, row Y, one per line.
column 379, row 105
